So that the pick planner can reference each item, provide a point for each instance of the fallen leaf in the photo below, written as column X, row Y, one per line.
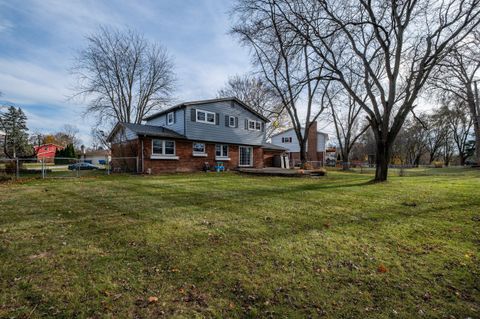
column 382, row 269
column 152, row 299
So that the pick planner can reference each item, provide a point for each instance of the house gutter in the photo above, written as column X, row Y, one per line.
column 143, row 167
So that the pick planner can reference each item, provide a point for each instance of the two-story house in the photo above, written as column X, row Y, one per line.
column 190, row 135
column 315, row 145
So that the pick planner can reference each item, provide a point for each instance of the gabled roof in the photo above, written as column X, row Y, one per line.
column 200, row 102
column 289, row 129
column 147, row 130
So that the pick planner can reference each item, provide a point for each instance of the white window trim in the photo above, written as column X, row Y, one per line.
column 168, row 118
column 200, row 154
column 163, row 155
column 205, row 121
column 251, row 157
column 223, row 157
column 230, row 121
column 254, row 125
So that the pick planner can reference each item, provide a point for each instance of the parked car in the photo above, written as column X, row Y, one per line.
column 82, row 166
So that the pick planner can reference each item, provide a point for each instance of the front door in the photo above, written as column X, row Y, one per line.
column 246, row 156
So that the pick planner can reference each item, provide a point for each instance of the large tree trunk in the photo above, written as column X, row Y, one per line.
column 303, row 153
column 476, row 129
column 472, row 98
column 382, row 160
column 346, row 160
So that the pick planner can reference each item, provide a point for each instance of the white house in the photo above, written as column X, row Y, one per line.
column 316, row 144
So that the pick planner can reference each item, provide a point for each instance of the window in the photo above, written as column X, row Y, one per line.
column 246, row 155
column 205, row 117
column 286, row 139
column 254, row 125
column 170, row 118
column 231, row 121
column 221, row 150
column 163, row 147
column 199, row 149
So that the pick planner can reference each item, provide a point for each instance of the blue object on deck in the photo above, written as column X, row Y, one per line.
column 219, row 167
column 102, row 162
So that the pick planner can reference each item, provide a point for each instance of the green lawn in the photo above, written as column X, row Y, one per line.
column 227, row 245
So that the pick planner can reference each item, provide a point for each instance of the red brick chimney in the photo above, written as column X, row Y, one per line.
column 312, row 142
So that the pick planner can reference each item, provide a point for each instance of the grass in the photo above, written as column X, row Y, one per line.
column 227, row 245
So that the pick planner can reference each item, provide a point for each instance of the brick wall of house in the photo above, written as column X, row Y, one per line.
column 187, row 162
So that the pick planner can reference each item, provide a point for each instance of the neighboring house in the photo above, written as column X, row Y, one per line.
column 191, row 135
column 46, row 152
column 97, row 157
column 315, row 144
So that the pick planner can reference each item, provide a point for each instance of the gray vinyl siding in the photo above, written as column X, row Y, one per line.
column 222, row 133
column 177, row 126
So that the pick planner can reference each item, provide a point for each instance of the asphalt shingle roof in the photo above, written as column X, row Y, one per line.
column 271, row 146
column 151, row 130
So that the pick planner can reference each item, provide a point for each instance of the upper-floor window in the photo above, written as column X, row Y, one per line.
column 170, row 118
column 254, row 125
column 231, row 121
column 163, row 147
column 287, row 139
column 205, row 117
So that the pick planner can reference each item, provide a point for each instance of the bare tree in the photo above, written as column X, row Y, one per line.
column 99, row 139
column 411, row 142
column 457, row 77
column 260, row 96
column 393, row 45
column 436, row 135
column 346, row 113
column 126, row 76
column 460, row 123
column 68, row 134
column 285, row 61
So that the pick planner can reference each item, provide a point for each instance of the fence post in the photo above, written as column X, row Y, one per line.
column 136, row 165
column 108, row 165
column 43, row 169
column 17, row 169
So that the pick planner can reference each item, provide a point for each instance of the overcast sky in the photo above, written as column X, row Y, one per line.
column 39, row 40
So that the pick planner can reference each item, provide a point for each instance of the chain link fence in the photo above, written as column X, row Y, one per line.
column 62, row 167
column 406, row 170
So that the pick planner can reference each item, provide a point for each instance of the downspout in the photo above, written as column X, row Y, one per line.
column 143, row 167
